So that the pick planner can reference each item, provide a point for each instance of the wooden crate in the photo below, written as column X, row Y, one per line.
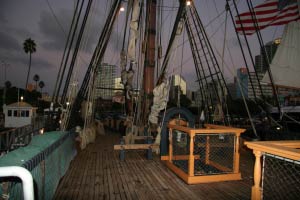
column 202, row 155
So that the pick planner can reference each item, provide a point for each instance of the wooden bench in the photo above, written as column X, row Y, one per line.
column 122, row 147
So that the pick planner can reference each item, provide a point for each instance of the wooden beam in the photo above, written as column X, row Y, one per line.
column 135, row 146
column 209, row 130
column 140, row 137
column 275, row 149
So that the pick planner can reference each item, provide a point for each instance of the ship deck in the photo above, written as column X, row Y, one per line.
column 98, row 173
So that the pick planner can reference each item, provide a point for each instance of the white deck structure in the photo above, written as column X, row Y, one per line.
column 18, row 114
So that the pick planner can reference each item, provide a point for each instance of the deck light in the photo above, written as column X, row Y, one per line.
column 188, row 3
column 22, row 98
column 122, row 9
column 42, row 131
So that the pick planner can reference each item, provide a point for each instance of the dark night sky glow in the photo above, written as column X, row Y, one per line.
column 20, row 20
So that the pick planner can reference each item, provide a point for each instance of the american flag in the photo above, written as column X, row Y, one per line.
column 269, row 13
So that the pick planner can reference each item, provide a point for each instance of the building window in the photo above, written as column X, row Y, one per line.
column 15, row 113
column 27, row 113
column 23, row 113
column 9, row 113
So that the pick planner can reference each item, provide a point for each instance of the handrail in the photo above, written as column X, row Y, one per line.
column 24, row 175
column 285, row 149
column 209, row 129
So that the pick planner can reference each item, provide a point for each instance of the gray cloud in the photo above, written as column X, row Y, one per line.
column 22, row 33
column 41, row 63
column 52, row 31
column 36, row 62
column 19, row 58
column 56, row 37
column 8, row 43
column 3, row 19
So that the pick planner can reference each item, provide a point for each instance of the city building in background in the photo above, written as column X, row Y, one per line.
column 232, row 89
column 266, row 89
column 262, row 59
column 242, row 77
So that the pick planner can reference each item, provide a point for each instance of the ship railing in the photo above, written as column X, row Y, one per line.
column 47, row 158
column 276, row 169
column 14, row 138
column 201, row 155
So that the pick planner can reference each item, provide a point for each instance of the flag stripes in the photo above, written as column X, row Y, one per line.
column 266, row 14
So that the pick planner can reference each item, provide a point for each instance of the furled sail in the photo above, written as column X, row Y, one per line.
column 285, row 66
column 133, row 30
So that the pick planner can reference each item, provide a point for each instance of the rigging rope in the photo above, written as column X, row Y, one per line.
column 179, row 88
column 59, row 75
column 253, row 16
column 67, row 82
column 69, row 51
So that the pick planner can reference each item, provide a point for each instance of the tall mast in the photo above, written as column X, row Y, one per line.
column 149, row 63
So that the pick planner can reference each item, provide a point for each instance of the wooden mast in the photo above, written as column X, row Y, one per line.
column 149, row 63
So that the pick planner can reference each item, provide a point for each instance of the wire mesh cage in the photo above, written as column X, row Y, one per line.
column 216, row 153
column 281, row 178
column 181, row 149
column 204, row 155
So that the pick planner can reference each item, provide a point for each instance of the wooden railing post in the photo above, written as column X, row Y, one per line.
column 170, row 145
column 207, row 150
column 191, row 156
column 256, row 189
column 236, row 159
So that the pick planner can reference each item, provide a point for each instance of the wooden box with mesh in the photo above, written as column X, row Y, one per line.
column 209, row 154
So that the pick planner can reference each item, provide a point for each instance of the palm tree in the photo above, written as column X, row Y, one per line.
column 36, row 78
column 29, row 47
column 7, row 84
column 41, row 85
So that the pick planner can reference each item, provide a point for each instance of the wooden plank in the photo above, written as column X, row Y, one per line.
column 151, row 182
column 177, row 186
column 101, row 175
column 117, row 188
column 98, row 176
column 82, row 194
column 126, row 187
column 135, row 146
column 139, row 178
column 164, row 189
column 117, row 178
column 132, row 176
column 139, row 137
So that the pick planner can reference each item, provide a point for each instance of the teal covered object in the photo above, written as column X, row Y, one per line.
column 19, row 156
column 38, row 144
column 47, row 157
column 47, row 139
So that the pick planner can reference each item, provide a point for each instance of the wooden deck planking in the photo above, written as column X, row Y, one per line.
column 98, row 173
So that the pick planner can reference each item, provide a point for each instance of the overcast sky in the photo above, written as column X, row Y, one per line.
column 34, row 19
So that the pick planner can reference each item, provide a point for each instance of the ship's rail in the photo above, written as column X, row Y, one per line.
column 207, row 154
column 47, row 158
column 276, row 169
column 13, row 138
